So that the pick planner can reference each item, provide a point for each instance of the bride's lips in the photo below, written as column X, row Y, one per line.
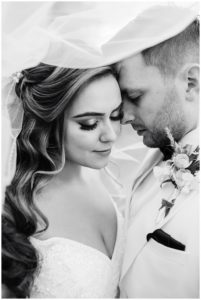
column 105, row 152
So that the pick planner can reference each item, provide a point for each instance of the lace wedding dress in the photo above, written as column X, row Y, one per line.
column 69, row 269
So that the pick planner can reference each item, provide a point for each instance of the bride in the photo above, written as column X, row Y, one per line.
column 62, row 232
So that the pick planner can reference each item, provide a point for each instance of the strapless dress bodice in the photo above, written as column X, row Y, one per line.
column 69, row 269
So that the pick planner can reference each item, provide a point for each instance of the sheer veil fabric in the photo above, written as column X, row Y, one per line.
column 76, row 35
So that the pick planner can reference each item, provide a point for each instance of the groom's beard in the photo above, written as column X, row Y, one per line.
column 156, row 138
column 170, row 116
column 161, row 141
column 167, row 152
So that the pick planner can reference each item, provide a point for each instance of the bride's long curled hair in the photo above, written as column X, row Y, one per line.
column 46, row 92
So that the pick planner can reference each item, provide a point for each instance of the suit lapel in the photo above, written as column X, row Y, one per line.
column 181, row 200
column 154, row 156
column 141, row 226
column 136, row 236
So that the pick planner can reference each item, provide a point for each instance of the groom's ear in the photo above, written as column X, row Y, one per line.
column 191, row 73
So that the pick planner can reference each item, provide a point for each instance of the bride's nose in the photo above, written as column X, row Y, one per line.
column 128, row 115
column 109, row 134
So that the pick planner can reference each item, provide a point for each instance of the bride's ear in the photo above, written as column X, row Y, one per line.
column 192, row 80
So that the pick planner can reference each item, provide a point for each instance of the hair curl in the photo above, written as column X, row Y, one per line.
column 46, row 92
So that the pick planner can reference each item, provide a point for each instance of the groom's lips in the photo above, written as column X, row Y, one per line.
column 139, row 129
column 140, row 132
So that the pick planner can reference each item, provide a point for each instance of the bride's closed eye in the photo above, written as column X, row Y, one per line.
column 89, row 124
column 92, row 122
column 117, row 116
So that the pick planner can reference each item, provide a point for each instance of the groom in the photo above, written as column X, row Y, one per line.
column 160, row 88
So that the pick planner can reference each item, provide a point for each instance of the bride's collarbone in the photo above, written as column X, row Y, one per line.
column 86, row 217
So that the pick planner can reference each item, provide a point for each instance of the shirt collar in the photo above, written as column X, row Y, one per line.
column 191, row 138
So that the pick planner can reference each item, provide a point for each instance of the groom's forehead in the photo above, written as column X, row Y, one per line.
column 121, row 72
column 125, row 74
column 130, row 64
column 121, row 67
column 118, row 67
column 122, row 76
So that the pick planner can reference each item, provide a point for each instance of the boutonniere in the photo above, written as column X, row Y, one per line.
column 181, row 171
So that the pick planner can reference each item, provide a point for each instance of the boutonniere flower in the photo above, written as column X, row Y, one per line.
column 181, row 171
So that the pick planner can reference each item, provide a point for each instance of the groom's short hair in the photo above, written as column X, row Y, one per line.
column 170, row 55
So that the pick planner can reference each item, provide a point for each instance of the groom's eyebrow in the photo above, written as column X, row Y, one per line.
column 95, row 114
column 130, row 92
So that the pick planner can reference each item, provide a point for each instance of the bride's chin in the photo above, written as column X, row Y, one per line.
column 99, row 164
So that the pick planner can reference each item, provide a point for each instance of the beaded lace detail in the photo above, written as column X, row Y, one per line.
column 69, row 269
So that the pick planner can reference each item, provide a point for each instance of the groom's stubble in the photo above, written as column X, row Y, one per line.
column 170, row 115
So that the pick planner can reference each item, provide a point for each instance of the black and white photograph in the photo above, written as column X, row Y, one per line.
column 100, row 149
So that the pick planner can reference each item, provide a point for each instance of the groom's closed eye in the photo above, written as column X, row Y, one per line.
column 133, row 96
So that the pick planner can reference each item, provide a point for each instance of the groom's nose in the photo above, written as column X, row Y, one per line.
column 128, row 115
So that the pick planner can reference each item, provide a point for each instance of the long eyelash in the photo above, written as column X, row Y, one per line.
column 88, row 127
column 119, row 117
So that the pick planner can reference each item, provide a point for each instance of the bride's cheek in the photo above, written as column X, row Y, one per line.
column 118, row 128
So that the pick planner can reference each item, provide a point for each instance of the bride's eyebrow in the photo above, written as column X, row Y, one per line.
column 89, row 114
column 94, row 114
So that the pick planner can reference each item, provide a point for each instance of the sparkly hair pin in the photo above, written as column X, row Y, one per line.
column 17, row 76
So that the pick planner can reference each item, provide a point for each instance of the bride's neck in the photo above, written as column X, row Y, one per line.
column 71, row 172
